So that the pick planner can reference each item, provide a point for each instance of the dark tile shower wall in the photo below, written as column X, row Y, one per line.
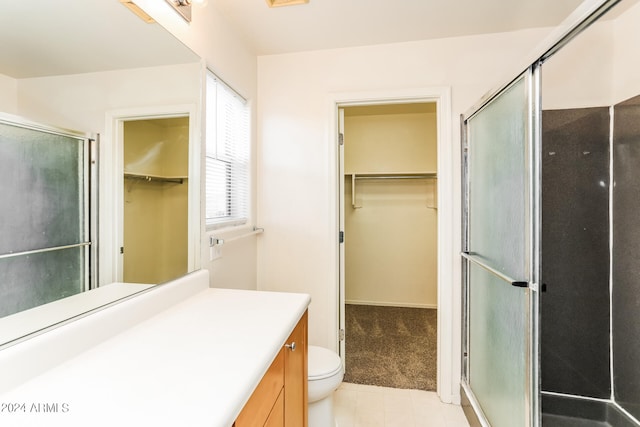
column 575, row 252
column 626, row 255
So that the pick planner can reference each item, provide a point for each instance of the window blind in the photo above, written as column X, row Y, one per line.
column 227, row 156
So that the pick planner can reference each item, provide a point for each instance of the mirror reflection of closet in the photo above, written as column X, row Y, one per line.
column 155, row 213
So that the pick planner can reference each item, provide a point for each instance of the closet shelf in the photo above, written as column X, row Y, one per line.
column 158, row 178
column 410, row 175
column 387, row 176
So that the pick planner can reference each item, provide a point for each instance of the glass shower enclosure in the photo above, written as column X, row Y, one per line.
column 500, row 269
column 550, row 266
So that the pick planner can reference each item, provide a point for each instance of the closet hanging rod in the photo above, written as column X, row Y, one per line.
column 423, row 176
column 149, row 178
column 383, row 176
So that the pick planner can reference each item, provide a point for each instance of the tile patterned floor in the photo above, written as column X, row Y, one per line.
column 358, row 405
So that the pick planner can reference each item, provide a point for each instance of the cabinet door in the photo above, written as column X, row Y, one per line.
column 261, row 402
column 295, row 377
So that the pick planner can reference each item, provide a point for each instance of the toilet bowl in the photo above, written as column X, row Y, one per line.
column 325, row 375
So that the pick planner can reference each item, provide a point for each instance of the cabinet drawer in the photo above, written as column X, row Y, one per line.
column 257, row 409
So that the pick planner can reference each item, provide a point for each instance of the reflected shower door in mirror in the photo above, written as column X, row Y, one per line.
column 155, row 208
column 45, row 182
column 590, row 322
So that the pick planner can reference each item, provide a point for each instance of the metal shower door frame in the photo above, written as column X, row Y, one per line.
column 586, row 14
column 532, row 82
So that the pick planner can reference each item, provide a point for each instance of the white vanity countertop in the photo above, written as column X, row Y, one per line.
column 193, row 364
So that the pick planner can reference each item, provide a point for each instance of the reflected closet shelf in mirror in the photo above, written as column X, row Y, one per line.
column 432, row 176
column 155, row 178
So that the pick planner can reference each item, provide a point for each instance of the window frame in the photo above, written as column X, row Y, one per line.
column 237, row 169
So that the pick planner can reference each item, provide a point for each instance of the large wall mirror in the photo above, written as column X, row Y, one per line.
column 96, row 68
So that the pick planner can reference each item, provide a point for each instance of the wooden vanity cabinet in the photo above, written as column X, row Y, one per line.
column 261, row 403
column 296, row 377
column 280, row 399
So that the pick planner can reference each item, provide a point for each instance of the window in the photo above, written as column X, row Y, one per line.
column 227, row 156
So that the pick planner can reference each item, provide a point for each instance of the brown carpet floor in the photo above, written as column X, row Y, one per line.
column 391, row 346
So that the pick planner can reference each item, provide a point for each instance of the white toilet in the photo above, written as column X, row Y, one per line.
column 325, row 375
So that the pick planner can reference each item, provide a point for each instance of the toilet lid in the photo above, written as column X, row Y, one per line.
column 323, row 363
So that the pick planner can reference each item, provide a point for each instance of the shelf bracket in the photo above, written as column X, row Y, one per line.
column 353, row 192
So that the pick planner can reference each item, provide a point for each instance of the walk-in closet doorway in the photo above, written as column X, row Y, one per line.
column 390, row 244
column 150, row 178
column 155, row 199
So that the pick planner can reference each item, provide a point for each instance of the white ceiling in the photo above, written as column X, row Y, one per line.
column 45, row 37
column 326, row 24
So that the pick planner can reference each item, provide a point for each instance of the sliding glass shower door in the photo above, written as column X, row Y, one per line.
column 499, row 269
column 45, row 248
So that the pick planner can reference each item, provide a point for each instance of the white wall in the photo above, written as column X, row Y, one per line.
column 80, row 101
column 297, row 204
column 391, row 243
column 8, row 94
column 626, row 80
column 212, row 38
column 581, row 73
column 597, row 68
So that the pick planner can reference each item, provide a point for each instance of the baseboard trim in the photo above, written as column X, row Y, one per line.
column 391, row 304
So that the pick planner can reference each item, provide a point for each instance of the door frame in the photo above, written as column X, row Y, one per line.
column 112, row 182
column 449, row 292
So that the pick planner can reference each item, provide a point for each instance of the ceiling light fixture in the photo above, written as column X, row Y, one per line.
column 129, row 4
column 183, row 7
column 278, row 3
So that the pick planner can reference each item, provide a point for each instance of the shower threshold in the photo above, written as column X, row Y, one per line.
column 567, row 411
column 549, row 420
